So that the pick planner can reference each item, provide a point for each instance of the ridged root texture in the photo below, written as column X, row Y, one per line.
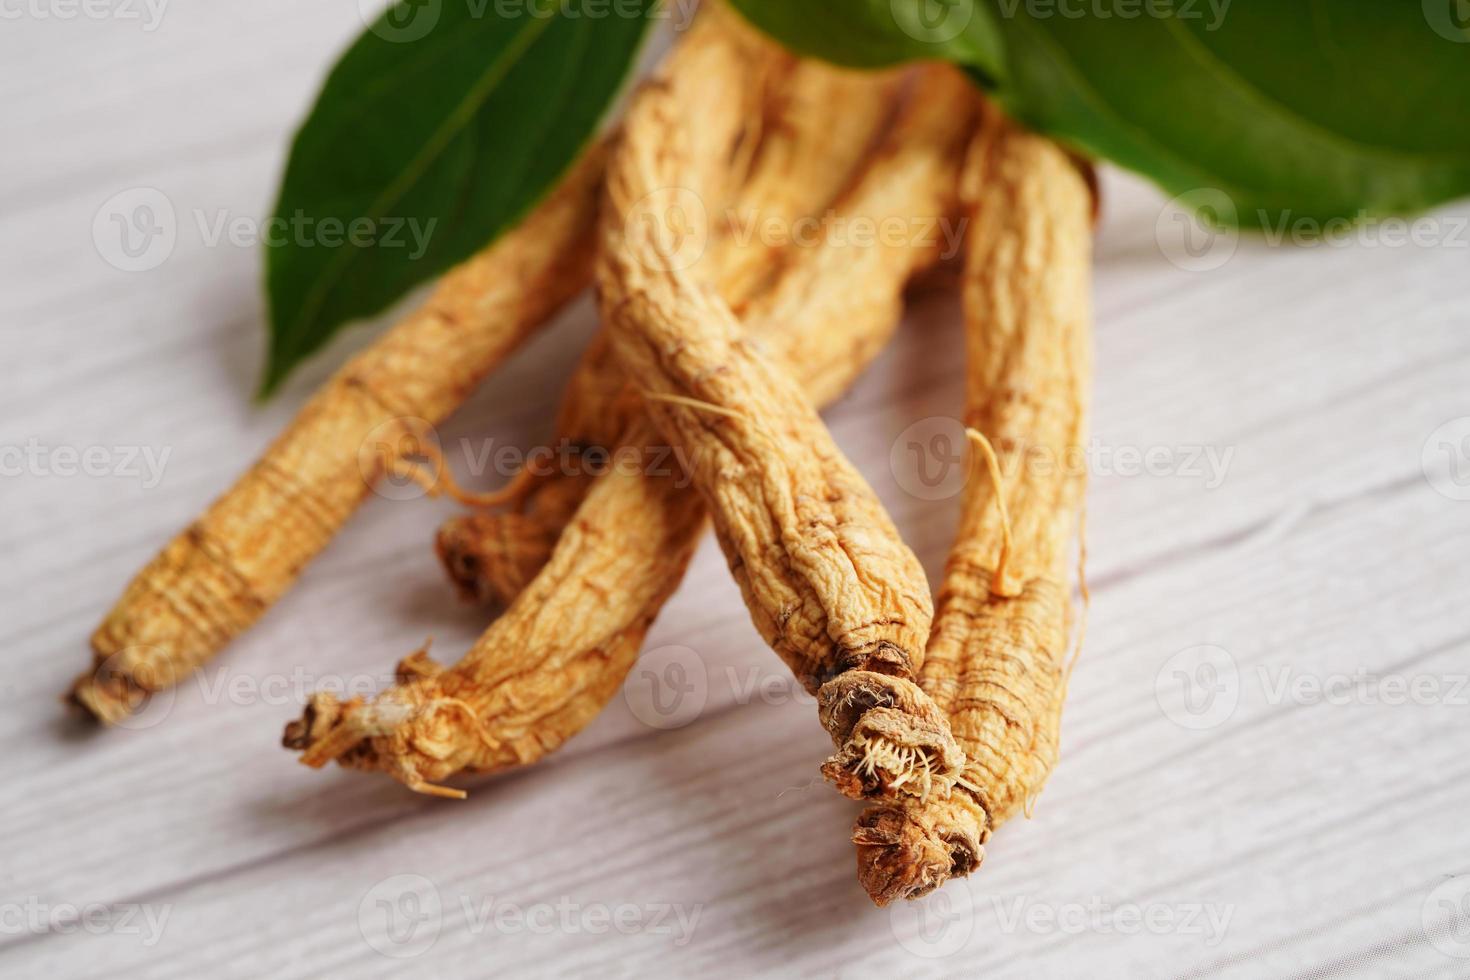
column 892, row 741
column 906, row 852
column 997, row 659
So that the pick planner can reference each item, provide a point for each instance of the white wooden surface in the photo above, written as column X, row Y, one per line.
column 1261, row 834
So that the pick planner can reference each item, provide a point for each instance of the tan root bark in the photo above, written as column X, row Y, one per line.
column 997, row 657
column 220, row 575
column 829, row 582
column 565, row 644
column 801, row 165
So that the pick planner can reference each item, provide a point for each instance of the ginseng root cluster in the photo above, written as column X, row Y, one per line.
column 717, row 349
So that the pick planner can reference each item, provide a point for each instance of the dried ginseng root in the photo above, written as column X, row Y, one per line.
column 997, row 657
column 220, row 575
column 546, row 667
column 797, row 171
column 829, row 582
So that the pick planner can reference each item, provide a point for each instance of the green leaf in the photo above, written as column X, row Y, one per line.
column 439, row 128
column 875, row 33
column 1292, row 109
column 1289, row 108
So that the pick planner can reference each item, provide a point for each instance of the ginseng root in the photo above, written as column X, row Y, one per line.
column 796, row 172
column 997, row 657
column 829, row 582
column 220, row 575
column 564, row 646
